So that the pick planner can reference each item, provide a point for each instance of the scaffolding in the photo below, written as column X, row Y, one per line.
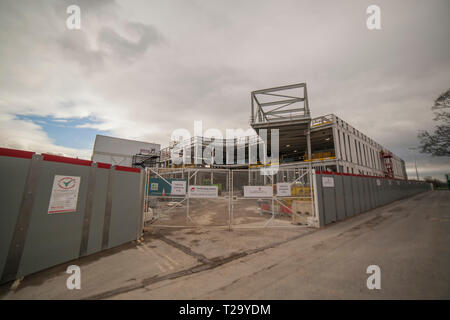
column 387, row 160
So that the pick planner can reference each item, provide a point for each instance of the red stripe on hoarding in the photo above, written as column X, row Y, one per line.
column 103, row 165
column 16, row 153
column 128, row 169
column 81, row 162
column 61, row 211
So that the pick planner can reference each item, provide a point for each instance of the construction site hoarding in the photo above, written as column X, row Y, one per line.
column 341, row 196
column 56, row 209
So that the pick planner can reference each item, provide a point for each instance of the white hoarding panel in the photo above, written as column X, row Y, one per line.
column 328, row 182
column 178, row 188
column 203, row 192
column 283, row 189
column 258, row 191
column 64, row 195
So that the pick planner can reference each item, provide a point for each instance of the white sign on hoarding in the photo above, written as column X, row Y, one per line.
column 258, row 191
column 283, row 189
column 378, row 182
column 203, row 192
column 178, row 188
column 328, row 182
column 64, row 195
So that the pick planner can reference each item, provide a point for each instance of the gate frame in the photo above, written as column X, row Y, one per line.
column 192, row 172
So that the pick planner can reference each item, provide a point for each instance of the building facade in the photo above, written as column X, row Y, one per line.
column 325, row 143
column 122, row 152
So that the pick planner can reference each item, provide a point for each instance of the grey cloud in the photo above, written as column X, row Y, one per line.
column 75, row 46
column 125, row 48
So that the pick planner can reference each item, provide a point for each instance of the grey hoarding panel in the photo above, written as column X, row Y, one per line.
column 348, row 196
column 376, row 191
column 388, row 191
column 365, row 182
column 370, row 193
column 398, row 189
column 339, row 194
column 140, row 223
column 88, row 210
column 108, row 208
column 357, row 194
column 13, row 172
column 362, row 194
column 125, row 208
column 329, row 202
column 44, row 240
column 391, row 190
column 53, row 238
column 373, row 189
column 98, row 211
column 356, row 190
column 382, row 192
column 367, row 188
column 319, row 199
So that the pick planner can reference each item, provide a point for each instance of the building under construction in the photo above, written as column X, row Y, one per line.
column 325, row 143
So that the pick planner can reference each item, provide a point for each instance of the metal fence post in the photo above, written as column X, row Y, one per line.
column 230, row 198
column 187, row 195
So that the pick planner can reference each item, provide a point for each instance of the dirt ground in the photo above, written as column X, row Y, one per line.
column 164, row 253
column 215, row 212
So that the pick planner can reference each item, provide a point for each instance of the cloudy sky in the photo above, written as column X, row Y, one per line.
column 140, row 69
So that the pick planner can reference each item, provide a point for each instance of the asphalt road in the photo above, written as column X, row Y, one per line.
column 409, row 240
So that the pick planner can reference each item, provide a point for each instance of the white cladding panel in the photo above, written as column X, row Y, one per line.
column 118, row 151
column 360, row 153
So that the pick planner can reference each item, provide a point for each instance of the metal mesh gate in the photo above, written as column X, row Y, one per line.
column 282, row 198
column 239, row 198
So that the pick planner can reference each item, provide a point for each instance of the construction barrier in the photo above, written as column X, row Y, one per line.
column 232, row 198
column 342, row 195
column 55, row 209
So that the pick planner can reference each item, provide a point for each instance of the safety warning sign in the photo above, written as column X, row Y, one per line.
column 64, row 195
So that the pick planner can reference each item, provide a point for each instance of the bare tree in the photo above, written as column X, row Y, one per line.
column 438, row 142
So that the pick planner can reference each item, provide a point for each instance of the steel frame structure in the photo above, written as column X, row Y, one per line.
column 325, row 142
column 281, row 106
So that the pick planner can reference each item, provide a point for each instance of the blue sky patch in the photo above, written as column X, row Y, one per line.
column 64, row 132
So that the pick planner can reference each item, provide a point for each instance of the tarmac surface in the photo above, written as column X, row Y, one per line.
column 408, row 239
